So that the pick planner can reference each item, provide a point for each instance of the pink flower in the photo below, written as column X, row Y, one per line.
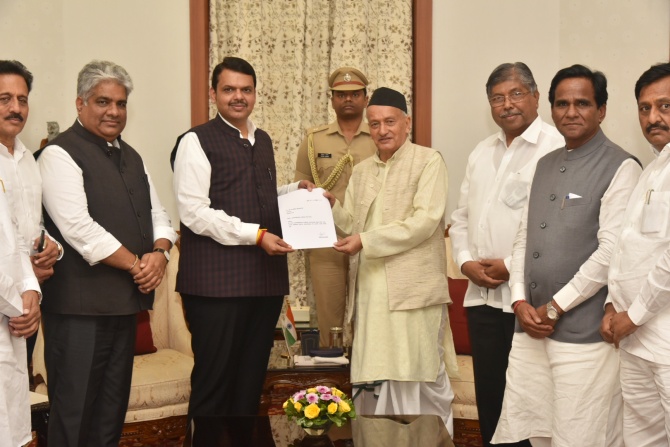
column 335, row 399
column 323, row 389
column 299, row 395
column 312, row 398
column 326, row 396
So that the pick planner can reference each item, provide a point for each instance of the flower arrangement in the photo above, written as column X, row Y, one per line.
column 319, row 406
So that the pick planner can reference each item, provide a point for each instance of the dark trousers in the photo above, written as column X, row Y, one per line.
column 491, row 331
column 89, row 361
column 231, row 341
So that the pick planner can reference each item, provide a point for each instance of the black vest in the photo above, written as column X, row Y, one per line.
column 243, row 184
column 119, row 201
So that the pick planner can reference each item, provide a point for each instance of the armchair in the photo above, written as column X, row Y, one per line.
column 161, row 386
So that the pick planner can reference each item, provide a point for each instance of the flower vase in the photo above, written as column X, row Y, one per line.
column 319, row 430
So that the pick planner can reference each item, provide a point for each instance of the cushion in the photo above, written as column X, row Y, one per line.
column 458, row 317
column 144, row 342
column 160, row 379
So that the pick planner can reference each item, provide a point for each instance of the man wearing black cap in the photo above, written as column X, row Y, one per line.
column 326, row 157
column 392, row 221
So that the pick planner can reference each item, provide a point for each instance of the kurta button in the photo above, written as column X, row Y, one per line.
column 262, row 207
column 536, row 255
column 533, row 285
column 543, row 225
column 562, row 169
column 139, row 214
column 130, row 191
column 144, row 235
column 258, row 185
column 552, row 197
column 246, row 145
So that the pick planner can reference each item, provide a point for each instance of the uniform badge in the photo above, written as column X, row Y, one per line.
column 347, row 77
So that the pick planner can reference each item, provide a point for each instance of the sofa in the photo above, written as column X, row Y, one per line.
column 464, row 405
column 160, row 387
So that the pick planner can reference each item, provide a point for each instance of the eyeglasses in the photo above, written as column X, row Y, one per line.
column 514, row 97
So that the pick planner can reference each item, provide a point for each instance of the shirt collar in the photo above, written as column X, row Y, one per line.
column 19, row 149
column 334, row 127
column 114, row 143
column 395, row 155
column 531, row 134
column 251, row 128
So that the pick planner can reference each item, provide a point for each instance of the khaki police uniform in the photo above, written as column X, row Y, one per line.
column 329, row 147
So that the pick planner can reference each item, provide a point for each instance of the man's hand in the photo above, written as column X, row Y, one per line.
column 606, row 324
column 622, row 326
column 47, row 258
column 349, row 245
column 42, row 274
column 306, row 184
column 495, row 268
column 531, row 322
column 27, row 324
column 330, row 197
column 274, row 245
column 544, row 318
column 476, row 272
column 152, row 268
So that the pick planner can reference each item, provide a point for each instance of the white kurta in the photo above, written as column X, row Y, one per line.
column 16, row 276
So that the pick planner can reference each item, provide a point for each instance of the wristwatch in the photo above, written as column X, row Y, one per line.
column 165, row 253
column 552, row 313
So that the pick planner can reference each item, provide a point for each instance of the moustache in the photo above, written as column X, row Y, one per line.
column 13, row 116
column 508, row 114
column 243, row 103
column 651, row 127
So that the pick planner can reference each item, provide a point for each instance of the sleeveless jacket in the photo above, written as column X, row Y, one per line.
column 119, row 200
column 243, row 184
column 563, row 233
column 416, row 278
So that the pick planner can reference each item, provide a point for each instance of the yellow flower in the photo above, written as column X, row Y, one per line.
column 332, row 408
column 344, row 407
column 312, row 411
column 336, row 392
column 297, row 406
column 286, row 404
column 311, row 390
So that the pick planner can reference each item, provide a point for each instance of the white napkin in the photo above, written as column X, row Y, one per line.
column 305, row 360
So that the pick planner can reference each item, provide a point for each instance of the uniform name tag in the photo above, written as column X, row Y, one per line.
column 320, row 155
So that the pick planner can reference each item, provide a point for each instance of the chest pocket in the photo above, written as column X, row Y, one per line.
column 514, row 193
column 655, row 215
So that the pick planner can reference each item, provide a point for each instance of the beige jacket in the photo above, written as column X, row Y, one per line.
column 411, row 238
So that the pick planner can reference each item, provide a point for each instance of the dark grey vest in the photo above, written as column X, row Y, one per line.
column 563, row 233
column 243, row 184
column 118, row 199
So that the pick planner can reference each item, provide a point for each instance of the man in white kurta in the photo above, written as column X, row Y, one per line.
column 637, row 315
column 19, row 290
column 394, row 221
column 493, row 194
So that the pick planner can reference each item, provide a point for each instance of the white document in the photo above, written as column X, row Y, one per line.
column 306, row 219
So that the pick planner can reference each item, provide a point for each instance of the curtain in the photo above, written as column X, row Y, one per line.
column 294, row 45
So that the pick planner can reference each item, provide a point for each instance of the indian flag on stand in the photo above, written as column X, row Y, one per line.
column 288, row 326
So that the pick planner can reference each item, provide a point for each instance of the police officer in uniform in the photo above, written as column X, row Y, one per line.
column 326, row 157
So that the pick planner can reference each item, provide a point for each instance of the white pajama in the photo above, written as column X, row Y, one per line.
column 646, row 401
column 563, row 391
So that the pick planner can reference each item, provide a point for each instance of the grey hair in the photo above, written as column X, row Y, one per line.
column 96, row 72
column 509, row 71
